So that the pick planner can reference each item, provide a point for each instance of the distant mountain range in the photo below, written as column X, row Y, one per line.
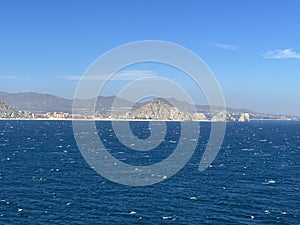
column 42, row 103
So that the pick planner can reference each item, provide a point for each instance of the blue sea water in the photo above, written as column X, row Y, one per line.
column 254, row 179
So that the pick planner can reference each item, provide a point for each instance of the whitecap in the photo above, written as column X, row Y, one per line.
column 132, row 212
column 247, row 149
column 167, row 217
column 193, row 198
column 270, row 182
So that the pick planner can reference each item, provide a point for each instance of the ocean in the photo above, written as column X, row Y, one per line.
column 254, row 179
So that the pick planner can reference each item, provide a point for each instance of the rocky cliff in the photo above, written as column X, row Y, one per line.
column 245, row 117
column 10, row 113
column 158, row 110
column 222, row 116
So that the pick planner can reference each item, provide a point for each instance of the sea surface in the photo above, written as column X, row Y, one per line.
column 255, row 179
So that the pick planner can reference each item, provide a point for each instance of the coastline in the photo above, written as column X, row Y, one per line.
column 130, row 120
column 98, row 119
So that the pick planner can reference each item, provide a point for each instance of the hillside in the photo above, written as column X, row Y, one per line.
column 36, row 102
column 42, row 103
column 158, row 109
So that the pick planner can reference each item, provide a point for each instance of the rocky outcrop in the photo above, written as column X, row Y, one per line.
column 245, row 117
column 159, row 110
column 222, row 116
column 7, row 112
column 199, row 116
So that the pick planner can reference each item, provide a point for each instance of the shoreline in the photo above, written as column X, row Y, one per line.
column 130, row 120
column 121, row 120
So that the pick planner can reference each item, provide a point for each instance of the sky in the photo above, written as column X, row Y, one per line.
column 252, row 47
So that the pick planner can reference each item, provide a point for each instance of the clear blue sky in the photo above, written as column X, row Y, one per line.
column 253, row 47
